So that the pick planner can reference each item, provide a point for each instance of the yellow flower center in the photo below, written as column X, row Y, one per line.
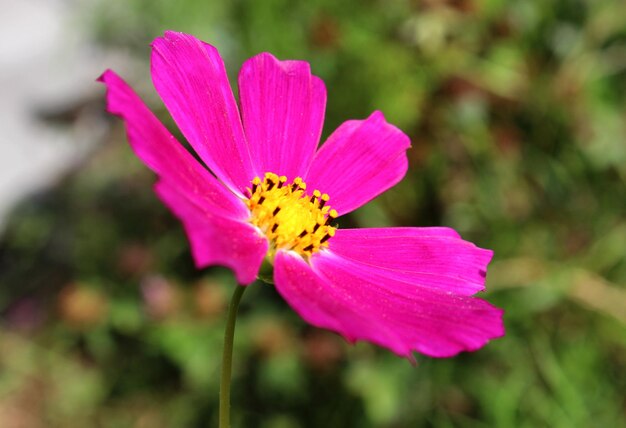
column 289, row 217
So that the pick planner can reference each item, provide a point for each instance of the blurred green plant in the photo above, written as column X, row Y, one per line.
column 516, row 114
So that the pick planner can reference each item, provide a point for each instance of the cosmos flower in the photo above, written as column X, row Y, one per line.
column 266, row 191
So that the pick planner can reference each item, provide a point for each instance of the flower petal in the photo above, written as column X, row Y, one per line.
column 324, row 304
column 215, row 239
column 160, row 151
column 430, row 257
column 190, row 77
column 335, row 293
column 282, row 106
column 433, row 322
column 359, row 161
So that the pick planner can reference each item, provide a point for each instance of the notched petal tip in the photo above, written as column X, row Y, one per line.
column 173, row 36
column 378, row 116
column 117, row 93
column 102, row 78
column 288, row 66
column 488, row 255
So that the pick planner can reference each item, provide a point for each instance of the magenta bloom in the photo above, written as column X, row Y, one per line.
column 269, row 192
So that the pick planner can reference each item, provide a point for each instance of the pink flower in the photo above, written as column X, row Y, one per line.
column 268, row 192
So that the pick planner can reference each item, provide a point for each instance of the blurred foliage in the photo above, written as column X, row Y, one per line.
column 516, row 113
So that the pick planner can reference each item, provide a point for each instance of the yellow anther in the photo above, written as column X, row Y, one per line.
column 291, row 219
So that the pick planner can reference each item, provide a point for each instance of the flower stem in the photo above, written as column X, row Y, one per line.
column 227, row 357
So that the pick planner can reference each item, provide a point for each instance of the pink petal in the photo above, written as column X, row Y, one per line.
column 430, row 257
column 191, row 79
column 326, row 305
column 215, row 239
column 282, row 106
column 160, row 151
column 359, row 161
column 336, row 293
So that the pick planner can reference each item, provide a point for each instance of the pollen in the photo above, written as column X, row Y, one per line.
column 290, row 218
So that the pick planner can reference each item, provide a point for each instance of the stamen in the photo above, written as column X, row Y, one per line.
column 291, row 219
column 331, row 216
column 316, row 195
column 255, row 184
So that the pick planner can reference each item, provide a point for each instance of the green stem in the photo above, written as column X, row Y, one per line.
column 227, row 357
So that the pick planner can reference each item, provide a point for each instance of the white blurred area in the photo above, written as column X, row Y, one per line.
column 48, row 68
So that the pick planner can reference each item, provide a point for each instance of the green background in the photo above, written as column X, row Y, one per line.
column 516, row 112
